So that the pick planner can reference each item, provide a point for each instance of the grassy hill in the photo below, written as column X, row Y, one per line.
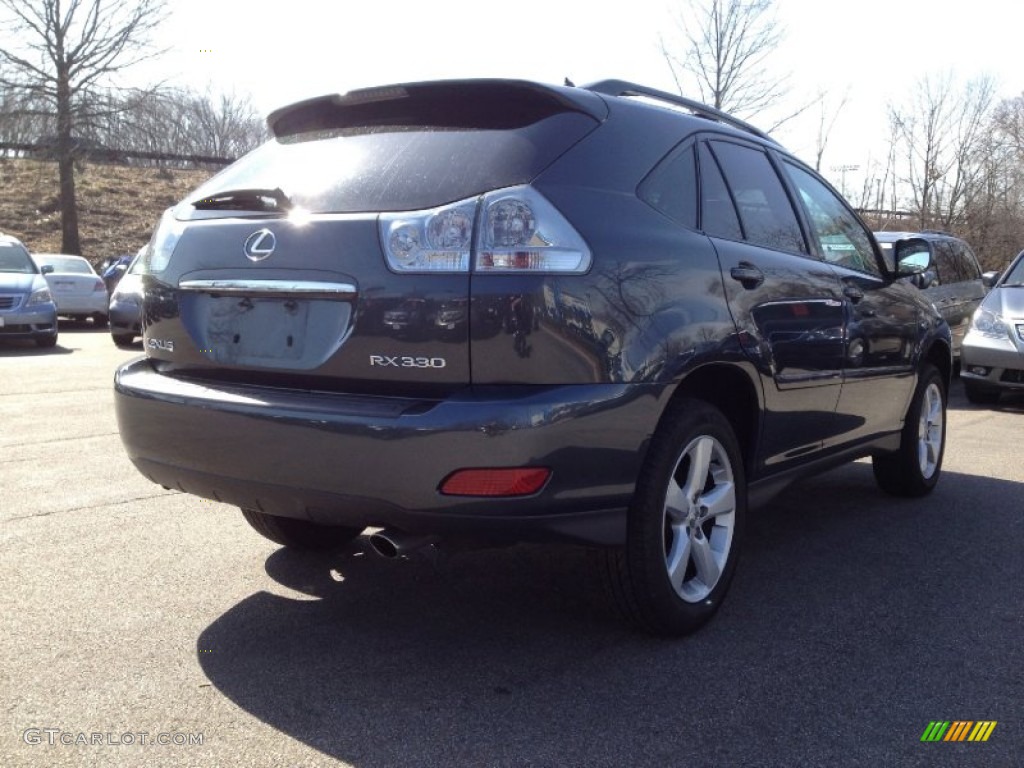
column 118, row 205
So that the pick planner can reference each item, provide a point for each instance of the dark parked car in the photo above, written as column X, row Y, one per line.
column 951, row 279
column 707, row 321
column 125, row 309
column 993, row 352
column 113, row 269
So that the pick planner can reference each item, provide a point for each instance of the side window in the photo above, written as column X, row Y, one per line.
column 672, row 187
column 841, row 237
column 945, row 263
column 966, row 261
column 765, row 211
column 717, row 213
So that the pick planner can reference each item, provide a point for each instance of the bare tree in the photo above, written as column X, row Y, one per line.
column 226, row 125
column 940, row 130
column 827, row 118
column 63, row 52
column 725, row 52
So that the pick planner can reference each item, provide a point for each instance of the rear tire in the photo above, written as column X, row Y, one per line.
column 913, row 470
column 979, row 394
column 99, row 320
column 685, row 524
column 300, row 534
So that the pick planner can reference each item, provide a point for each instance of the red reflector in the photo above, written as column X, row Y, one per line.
column 520, row 481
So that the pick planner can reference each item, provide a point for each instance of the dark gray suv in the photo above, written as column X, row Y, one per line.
column 480, row 312
column 951, row 279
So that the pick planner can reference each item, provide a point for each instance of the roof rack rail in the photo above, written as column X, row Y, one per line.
column 625, row 88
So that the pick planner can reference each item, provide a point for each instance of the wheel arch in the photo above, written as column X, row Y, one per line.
column 733, row 391
column 939, row 354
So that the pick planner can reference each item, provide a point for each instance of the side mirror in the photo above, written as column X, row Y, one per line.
column 46, row 269
column 913, row 256
column 989, row 279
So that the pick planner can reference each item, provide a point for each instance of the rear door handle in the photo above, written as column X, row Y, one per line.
column 747, row 274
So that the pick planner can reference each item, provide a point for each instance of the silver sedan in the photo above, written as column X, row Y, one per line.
column 992, row 357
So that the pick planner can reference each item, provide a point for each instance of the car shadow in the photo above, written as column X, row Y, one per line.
column 81, row 326
column 849, row 625
column 1009, row 402
column 28, row 348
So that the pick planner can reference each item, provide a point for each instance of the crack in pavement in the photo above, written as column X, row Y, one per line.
column 59, row 440
column 91, row 506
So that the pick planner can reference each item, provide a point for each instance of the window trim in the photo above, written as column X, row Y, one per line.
column 768, row 152
column 883, row 269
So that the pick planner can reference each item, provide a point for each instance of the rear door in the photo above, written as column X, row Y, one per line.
column 960, row 288
column 786, row 303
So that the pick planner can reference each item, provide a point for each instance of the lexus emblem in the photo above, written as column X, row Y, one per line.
column 259, row 245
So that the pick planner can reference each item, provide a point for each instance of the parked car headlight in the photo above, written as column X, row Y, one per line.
column 39, row 296
column 989, row 324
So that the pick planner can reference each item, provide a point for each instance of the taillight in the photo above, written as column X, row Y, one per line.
column 496, row 481
column 520, row 231
column 161, row 246
column 98, row 286
column 437, row 240
column 510, row 230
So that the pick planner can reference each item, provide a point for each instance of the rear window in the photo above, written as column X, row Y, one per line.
column 66, row 265
column 357, row 169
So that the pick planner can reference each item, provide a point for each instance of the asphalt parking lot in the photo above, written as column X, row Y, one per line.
column 854, row 621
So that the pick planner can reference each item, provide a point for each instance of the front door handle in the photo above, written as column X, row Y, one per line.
column 749, row 275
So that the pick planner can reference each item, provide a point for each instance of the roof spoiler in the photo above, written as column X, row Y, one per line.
column 483, row 103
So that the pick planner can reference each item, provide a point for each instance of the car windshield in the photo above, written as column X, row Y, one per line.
column 66, row 264
column 14, row 258
column 1015, row 276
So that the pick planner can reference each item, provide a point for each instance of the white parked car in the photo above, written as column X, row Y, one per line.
column 77, row 289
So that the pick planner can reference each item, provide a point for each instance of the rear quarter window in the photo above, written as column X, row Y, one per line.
column 672, row 187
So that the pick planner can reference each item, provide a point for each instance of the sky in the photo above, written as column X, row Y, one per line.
column 871, row 51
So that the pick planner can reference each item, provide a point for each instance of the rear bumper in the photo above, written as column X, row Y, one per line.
column 374, row 461
column 84, row 304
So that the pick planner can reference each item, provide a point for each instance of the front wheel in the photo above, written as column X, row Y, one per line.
column 684, row 526
column 913, row 469
column 300, row 534
column 122, row 340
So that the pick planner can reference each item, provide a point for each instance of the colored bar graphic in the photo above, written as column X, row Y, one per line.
column 982, row 730
column 958, row 730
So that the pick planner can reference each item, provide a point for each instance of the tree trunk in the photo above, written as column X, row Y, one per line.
column 66, row 165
